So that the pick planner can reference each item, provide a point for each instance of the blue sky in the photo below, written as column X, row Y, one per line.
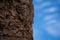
column 46, row 20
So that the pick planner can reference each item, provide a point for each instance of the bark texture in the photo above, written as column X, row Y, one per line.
column 16, row 17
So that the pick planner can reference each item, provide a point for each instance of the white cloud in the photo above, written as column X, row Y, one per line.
column 36, row 34
column 49, row 17
column 52, row 9
column 42, row 5
column 52, row 31
column 45, row 4
column 52, row 22
column 38, row 0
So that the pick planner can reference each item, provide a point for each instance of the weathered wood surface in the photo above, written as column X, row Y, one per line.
column 16, row 17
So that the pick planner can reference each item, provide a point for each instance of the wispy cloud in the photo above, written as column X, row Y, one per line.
column 52, row 31
column 44, row 4
column 38, row 0
column 51, row 22
column 49, row 17
column 51, row 9
column 52, row 25
column 36, row 33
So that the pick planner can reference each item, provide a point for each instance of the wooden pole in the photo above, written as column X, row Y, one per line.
column 16, row 17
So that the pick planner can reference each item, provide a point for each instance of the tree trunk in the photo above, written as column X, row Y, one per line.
column 16, row 17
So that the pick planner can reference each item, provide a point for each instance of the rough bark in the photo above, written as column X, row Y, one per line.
column 16, row 17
